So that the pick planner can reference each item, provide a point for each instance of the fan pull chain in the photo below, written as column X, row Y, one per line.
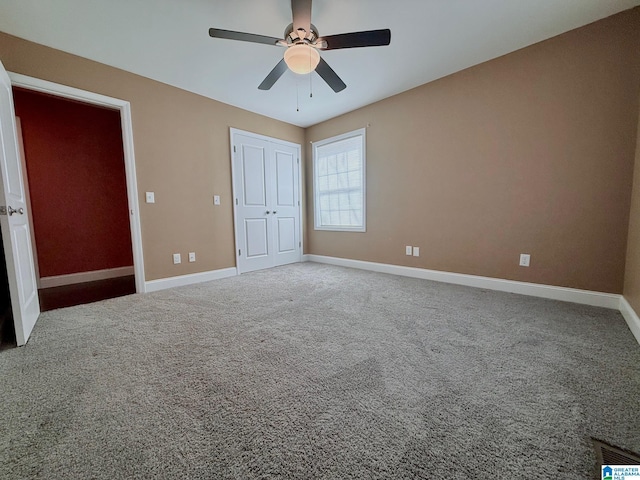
column 297, row 99
column 310, row 80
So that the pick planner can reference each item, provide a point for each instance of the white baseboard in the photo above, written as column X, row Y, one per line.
column 81, row 277
column 179, row 281
column 631, row 317
column 586, row 297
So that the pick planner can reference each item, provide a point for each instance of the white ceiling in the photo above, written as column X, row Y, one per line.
column 167, row 40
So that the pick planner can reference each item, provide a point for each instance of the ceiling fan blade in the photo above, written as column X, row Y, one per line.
column 274, row 75
column 301, row 10
column 370, row 38
column 329, row 76
column 245, row 37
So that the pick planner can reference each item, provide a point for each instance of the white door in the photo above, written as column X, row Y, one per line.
column 16, row 234
column 267, row 202
column 253, row 199
column 285, row 203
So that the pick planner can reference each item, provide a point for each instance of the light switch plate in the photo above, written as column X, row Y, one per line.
column 150, row 197
column 216, row 199
column 525, row 259
column 176, row 258
column 408, row 250
column 192, row 256
column 416, row 251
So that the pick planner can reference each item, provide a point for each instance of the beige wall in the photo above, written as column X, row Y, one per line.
column 529, row 153
column 632, row 273
column 182, row 154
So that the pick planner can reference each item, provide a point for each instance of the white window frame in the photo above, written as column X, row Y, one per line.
column 317, row 226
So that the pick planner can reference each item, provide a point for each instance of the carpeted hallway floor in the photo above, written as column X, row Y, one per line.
column 314, row 371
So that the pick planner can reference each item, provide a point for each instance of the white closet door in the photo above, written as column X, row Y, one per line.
column 267, row 202
column 286, row 211
column 253, row 194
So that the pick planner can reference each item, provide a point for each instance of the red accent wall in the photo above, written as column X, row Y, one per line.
column 77, row 182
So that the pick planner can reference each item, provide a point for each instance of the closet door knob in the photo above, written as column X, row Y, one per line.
column 268, row 212
column 274, row 212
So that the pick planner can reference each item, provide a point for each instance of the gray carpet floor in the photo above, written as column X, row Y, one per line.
column 313, row 371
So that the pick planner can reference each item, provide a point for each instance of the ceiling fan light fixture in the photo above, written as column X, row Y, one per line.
column 301, row 58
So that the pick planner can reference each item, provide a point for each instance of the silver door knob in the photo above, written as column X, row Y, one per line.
column 12, row 210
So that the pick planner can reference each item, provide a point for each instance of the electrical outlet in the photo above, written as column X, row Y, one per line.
column 176, row 258
column 416, row 251
column 525, row 259
column 408, row 250
column 192, row 256
column 216, row 199
column 150, row 197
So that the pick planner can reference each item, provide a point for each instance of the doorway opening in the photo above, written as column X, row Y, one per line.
column 16, row 231
column 76, row 188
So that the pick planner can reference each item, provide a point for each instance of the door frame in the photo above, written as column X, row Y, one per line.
column 124, row 107
column 236, row 131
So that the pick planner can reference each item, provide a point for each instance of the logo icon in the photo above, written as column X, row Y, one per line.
column 607, row 473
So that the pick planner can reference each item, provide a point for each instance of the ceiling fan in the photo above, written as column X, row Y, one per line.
column 302, row 43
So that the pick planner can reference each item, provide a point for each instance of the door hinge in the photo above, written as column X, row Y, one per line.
column 3, row 210
column 300, row 244
column 234, row 149
column 298, row 202
column 298, row 161
column 239, row 252
column 236, row 201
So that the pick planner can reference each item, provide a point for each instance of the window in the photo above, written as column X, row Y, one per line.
column 339, row 182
